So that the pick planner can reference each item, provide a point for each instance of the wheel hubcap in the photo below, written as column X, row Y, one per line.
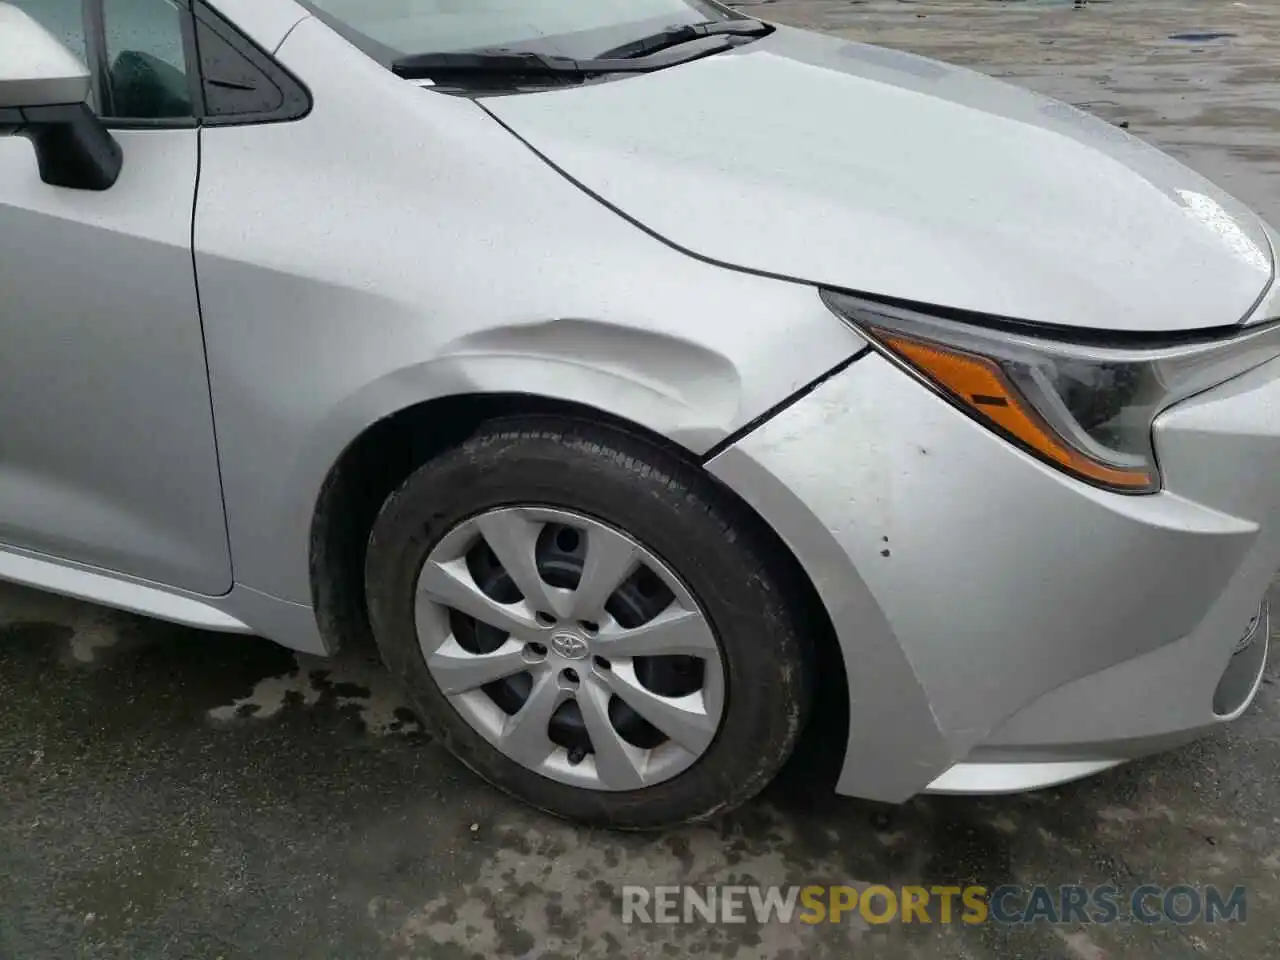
column 570, row 647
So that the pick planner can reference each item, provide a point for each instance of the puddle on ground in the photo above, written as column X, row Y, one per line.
column 347, row 682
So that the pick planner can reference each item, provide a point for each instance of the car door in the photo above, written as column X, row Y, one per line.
column 107, row 448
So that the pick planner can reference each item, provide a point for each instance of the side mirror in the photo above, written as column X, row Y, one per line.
column 43, row 93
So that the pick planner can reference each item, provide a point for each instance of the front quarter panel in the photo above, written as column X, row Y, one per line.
column 396, row 246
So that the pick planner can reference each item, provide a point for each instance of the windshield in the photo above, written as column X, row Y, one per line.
column 388, row 29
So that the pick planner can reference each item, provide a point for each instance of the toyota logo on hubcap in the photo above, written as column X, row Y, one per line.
column 569, row 645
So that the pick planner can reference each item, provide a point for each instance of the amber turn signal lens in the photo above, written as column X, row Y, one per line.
column 982, row 388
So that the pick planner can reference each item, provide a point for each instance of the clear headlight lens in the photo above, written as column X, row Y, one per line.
column 1085, row 409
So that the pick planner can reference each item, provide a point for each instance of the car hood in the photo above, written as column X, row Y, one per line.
column 888, row 174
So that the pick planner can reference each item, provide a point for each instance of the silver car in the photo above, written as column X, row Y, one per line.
column 624, row 367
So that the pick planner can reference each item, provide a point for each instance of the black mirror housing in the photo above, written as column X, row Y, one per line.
column 73, row 148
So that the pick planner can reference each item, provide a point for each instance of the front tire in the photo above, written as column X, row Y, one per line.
column 589, row 623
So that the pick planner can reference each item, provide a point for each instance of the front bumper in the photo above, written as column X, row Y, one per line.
column 1003, row 626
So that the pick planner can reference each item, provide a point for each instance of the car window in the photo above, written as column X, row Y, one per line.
column 146, row 70
column 146, row 59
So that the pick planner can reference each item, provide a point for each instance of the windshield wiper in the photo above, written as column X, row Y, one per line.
column 638, row 56
column 687, row 33
column 508, row 64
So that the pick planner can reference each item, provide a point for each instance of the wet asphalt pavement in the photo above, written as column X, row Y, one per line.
column 169, row 793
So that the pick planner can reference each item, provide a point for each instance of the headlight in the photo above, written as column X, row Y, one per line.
column 1087, row 409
